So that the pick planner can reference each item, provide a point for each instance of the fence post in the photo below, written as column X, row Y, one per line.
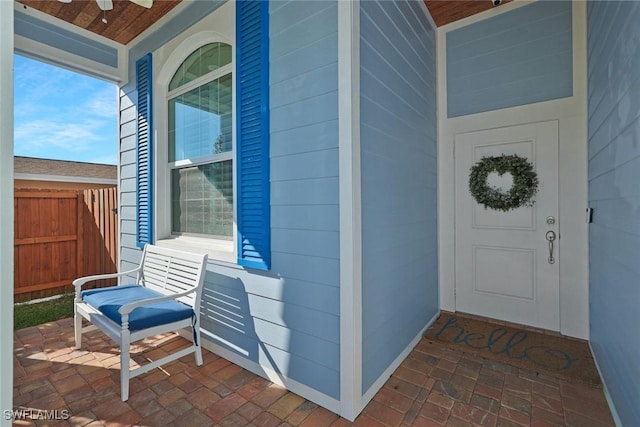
column 79, row 234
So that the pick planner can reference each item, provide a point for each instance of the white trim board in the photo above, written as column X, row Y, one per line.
column 60, row 58
column 571, row 114
column 350, row 209
column 305, row 391
column 69, row 61
column 6, row 209
column 382, row 379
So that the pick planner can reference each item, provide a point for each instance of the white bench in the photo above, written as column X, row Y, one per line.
column 165, row 297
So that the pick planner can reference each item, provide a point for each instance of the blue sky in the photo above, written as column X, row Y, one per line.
column 63, row 115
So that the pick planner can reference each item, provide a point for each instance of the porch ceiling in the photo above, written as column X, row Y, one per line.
column 127, row 20
column 446, row 11
column 124, row 22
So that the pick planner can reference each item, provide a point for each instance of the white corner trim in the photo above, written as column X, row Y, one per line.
column 425, row 9
column 446, row 237
column 377, row 385
column 272, row 375
column 6, row 209
column 579, row 37
column 350, row 208
column 65, row 178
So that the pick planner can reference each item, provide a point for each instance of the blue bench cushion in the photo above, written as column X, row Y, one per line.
column 109, row 300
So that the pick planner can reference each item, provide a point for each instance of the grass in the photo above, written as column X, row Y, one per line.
column 25, row 315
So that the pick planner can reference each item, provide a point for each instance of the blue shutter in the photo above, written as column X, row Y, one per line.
column 144, row 144
column 252, row 110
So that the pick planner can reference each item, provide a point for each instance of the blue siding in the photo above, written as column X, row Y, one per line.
column 275, row 322
column 398, row 143
column 56, row 37
column 517, row 58
column 614, row 193
column 288, row 318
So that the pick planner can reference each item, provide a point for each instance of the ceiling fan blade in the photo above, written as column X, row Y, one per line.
column 143, row 3
column 64, row 1
column 105, row 4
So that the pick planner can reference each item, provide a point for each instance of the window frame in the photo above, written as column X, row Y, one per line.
column 226, row 70
column 167, row 63
column 194, row 84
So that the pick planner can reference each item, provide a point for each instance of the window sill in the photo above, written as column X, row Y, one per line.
column 217, row 250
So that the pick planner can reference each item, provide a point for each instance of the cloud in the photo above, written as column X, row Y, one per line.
column 36, row 81
column 35, row 135
column 105, row 160
column 63, row 115
column 101, row 104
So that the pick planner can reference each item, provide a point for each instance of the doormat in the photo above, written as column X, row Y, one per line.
column 565, row 358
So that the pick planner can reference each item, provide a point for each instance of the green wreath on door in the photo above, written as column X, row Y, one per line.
column 521, row 193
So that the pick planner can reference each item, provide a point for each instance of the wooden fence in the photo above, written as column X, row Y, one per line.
column 60, row 236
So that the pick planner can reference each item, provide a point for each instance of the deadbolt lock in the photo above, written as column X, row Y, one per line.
column 551, row 220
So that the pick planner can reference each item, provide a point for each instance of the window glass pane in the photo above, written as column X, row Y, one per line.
column 200, row 121
column 214, row 56
column 208, row 58
column 224, row 139
column 202, row 199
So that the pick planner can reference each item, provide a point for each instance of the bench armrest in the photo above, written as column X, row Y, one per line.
column 82, row 280
column 78, row 283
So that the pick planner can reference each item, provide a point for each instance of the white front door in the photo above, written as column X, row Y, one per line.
column 502, row 258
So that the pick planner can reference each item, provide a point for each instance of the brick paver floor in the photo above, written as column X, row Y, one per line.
column 434, row 386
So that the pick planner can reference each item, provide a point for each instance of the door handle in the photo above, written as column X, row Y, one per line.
column 551, row 236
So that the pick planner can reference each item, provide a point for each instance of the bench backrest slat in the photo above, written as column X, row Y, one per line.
column 169, row 272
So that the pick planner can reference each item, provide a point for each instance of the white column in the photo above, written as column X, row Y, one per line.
column 6, row 209
column 350, row 209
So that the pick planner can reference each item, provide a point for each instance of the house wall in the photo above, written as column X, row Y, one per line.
column 283, row 323
column 398, row 160
column 570, row 112
column 515, row 58
column 614, row 173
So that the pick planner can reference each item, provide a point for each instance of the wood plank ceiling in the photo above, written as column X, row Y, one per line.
column 124, row 22
column 127, row 20
column 445, row 12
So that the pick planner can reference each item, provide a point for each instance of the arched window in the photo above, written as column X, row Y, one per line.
column 200, row 143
